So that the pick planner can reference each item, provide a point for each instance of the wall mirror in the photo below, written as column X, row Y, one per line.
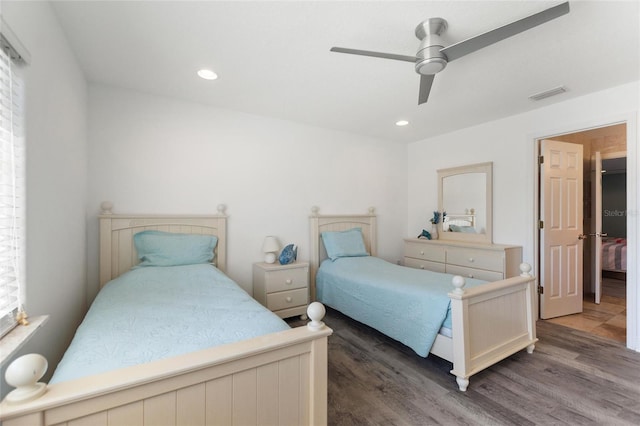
column 466, row 194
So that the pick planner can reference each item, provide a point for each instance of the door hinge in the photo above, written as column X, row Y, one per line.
column 541, row 224
column 541, row 159
column 540, row 289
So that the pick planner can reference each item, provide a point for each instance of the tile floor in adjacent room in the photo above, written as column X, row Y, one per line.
column 608, row 319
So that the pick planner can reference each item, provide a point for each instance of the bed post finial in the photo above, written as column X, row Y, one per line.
column 458, row 283
column 315, row 210
column 525, row 268
column 23, row 374
column 106, row 207
column 221, row 208
column 372, row 210
column 316, row 311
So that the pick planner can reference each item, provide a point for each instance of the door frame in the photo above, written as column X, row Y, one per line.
column 633, row 208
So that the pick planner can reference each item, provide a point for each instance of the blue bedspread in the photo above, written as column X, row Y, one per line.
column 409, row 305
column 152, row 313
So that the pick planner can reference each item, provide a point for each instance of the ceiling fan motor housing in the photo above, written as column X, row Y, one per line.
column 432, row 61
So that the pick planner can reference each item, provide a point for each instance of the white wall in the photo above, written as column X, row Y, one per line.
column 153, row 154
column 56, row 133
column 509, row 144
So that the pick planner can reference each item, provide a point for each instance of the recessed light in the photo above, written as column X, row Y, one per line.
column 401, row 123
column 207, row 74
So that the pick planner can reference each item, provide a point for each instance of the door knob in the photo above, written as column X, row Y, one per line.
column 582, row 237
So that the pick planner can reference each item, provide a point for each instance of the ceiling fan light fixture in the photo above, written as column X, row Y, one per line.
column 207, row 74
column 431, row 66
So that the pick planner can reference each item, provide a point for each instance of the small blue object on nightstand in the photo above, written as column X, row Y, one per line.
column 288, row 255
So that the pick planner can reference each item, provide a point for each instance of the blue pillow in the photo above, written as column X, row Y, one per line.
column 157, row 248
column 468, row 229
column 454, row 228
column 344, row 243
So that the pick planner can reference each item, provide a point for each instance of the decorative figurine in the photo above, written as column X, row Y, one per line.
column 425, row 234
column 288, row 255
column 21, row 318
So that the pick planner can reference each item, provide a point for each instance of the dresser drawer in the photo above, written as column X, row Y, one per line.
column 478, row 259
column 479, row 274
column 287, row 299
column 424, row 251
column 423, row 264
column 286, row 279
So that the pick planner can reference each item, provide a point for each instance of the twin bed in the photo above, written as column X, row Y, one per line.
column 172, row 340
column 219, row 357
column 430, row 312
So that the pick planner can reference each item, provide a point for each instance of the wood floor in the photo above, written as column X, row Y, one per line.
column 572, row 378
column 608, row 319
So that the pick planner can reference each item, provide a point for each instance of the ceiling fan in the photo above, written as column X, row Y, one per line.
column 432, row 57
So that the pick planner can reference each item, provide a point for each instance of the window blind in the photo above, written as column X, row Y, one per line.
column 12, row 189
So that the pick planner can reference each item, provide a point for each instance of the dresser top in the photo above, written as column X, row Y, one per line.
column 448, row 243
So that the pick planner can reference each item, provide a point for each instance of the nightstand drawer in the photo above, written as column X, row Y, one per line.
column 286, row 279
column 423, row 264
column 287, row 299
column 480, row 259
column 424, row 251
column 474, row 273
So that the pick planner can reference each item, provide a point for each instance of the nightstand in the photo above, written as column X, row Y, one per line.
column 284, row 289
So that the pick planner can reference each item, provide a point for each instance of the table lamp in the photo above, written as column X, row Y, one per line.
column 270, row 247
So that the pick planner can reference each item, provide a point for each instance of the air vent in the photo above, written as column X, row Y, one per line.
column 548, row 93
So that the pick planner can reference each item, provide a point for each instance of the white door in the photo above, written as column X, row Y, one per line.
column 561, row 213
column 596, row 225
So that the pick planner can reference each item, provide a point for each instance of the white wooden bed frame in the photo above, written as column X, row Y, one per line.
column 489, row 322
column 279, row 378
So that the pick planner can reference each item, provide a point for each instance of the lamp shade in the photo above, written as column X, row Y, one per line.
column 270, row 245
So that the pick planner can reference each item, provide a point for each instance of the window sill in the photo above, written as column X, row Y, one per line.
column 16, row 338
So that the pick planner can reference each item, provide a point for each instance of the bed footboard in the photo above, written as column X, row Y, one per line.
column 491, row 322
column 279, row 378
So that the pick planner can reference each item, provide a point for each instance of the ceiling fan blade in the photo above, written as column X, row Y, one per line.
column 472, row 44
column 425, row 88
column 412, row 59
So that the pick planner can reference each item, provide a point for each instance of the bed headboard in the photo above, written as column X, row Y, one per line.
column 321, row 223
column 118, row 253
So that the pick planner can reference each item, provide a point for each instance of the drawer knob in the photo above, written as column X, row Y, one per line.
column 288, row 299
column 421, row 252
column 471, row 259
column 470, row 275
column 421, row 266
column 288, row 281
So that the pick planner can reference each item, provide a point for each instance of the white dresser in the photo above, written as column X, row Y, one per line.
column 284, row 289
column 489, row 262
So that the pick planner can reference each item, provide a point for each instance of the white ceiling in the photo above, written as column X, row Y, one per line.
column 273, row 58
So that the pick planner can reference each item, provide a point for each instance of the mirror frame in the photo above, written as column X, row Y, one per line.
column 487, row 169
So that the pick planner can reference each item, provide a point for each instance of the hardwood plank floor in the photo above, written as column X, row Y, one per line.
column 572, row 378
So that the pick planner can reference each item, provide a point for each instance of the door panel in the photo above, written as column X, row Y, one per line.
column 561, row 194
